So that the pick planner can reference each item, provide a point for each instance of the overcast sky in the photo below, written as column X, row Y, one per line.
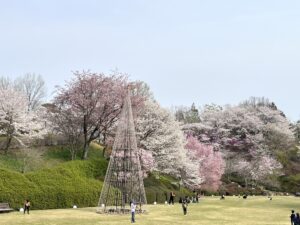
column 209, row 51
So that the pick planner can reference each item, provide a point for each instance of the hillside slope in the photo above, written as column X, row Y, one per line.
column 57, row 182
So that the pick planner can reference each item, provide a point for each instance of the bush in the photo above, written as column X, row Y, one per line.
column 60, row 187
column 73, row 183
column 159, row 189
column 15, row 188
column 290, row 183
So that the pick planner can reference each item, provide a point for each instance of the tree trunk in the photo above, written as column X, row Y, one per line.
column 86, row 144
column 85, row 150
column 24, row 165
column 8, row 142
column 72, row 152
column 104, row 143
column 103, row 151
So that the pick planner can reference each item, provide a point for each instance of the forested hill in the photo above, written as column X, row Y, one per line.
column 259, row 144
column 245, row 148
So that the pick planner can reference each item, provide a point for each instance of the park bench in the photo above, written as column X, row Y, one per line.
column 4, row 207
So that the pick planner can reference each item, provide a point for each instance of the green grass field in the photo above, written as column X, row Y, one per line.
column 210, row 210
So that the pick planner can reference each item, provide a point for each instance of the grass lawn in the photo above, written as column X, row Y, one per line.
column 210, row 210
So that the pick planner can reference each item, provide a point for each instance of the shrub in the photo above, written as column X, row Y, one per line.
column 15, row 188
column 73, row 183
column 60, row 187
column 290, row 183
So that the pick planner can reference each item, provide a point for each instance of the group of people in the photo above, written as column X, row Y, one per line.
column 132, row 209
column 295, row 218
column 193, row 199
column 184, row 201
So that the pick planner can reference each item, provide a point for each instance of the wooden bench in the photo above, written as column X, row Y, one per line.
column 4, row 207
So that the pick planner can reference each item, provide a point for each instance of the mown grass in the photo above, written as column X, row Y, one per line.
column 210, row 211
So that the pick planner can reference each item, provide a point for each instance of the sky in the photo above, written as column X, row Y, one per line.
column 201, row 51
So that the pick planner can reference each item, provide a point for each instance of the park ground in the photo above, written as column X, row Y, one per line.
column 210, row 210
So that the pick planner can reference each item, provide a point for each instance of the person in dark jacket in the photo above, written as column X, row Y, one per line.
column 293, row 217
column 172, row 196
column 297, row 219
column 184, row 206
column 26, row 206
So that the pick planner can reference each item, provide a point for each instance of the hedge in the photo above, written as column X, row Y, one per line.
column 66, row 185
column 73, row 183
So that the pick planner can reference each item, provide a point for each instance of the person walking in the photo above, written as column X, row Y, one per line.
column 133, row 207
column 26, row 206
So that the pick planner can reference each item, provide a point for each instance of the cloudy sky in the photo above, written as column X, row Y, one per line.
column 202, row 51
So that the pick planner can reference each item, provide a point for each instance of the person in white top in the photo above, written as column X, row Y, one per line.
column 26, row 206
column 133, row 207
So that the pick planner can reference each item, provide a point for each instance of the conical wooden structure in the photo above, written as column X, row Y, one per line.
column 124, row 179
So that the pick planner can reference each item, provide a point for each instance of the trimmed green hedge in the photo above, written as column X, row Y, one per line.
column 73, row 183
column 14, row 188
column 60, row 187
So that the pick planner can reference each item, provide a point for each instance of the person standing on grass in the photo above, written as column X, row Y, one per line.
column 26, row 206
column 184, row 206
column 293, row 217
column 133, row 207
column 297, row 219
column 197, row 197
column 172, row 196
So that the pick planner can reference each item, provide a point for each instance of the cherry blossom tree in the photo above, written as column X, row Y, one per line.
column 265, row 166
column 64, row 122
column 250, row 131
column 12, row 114
column 160, row 134
column 32, row 86
column 15, row 120
column 257, row 170
column 296, row 130
column 95, row 101
column 5, row 82
column 210, row 163
column 147, row 161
